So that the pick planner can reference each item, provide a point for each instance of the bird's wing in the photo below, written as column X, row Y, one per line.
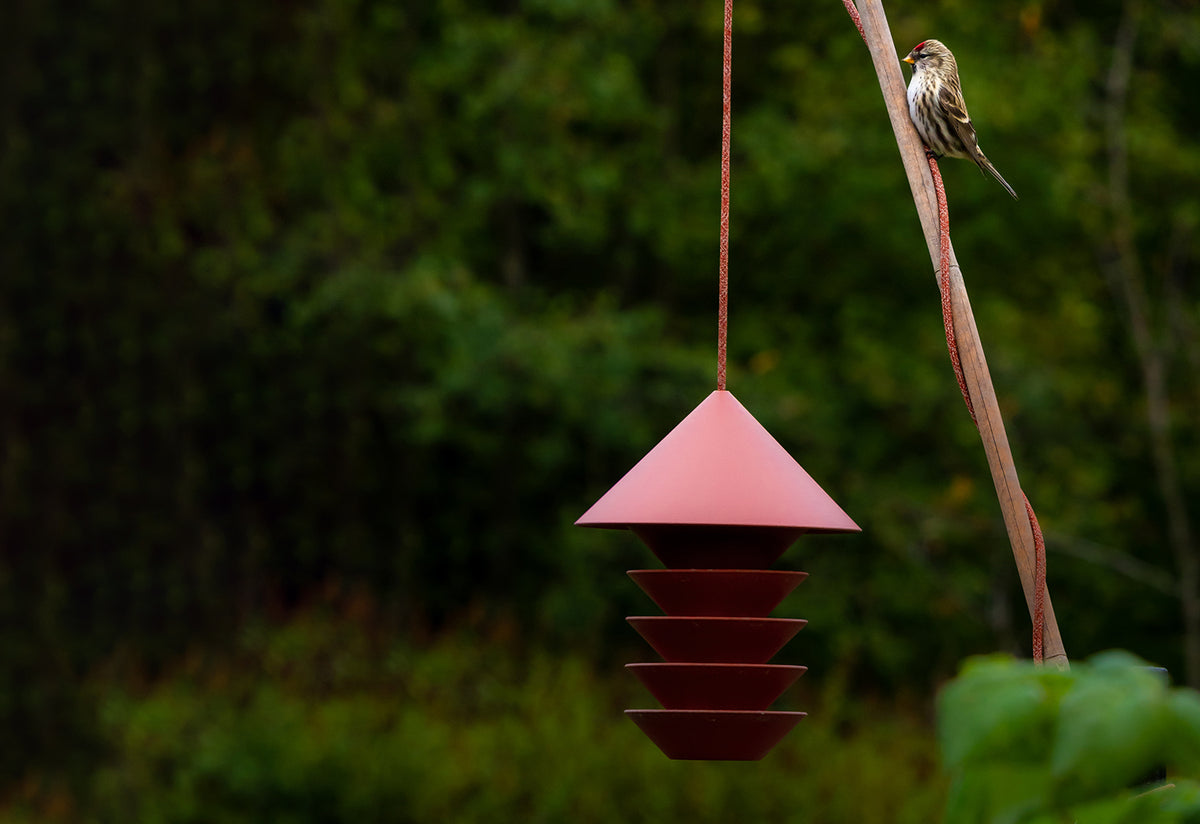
column 950, row 98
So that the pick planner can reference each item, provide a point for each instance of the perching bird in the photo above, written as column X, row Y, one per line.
column 937, row 109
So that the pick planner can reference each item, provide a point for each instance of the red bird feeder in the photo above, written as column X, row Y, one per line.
column 718, row 500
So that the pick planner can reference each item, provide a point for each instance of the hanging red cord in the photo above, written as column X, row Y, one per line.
column 1039, row 543
column 726, row 122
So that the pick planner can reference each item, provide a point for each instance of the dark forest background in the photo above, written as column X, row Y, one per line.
column 322, row 320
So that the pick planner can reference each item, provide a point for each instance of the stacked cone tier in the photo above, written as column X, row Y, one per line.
column 716, row 640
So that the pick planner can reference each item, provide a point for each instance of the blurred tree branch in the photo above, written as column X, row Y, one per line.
column 1124, row 269
column 1122, row 563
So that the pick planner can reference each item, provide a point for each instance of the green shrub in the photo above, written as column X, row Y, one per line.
column 315, row 725
column 1026, row 744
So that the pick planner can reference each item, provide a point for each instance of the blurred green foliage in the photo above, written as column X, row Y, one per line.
column 325, row 719
column 387, row 294
column 1026, row 744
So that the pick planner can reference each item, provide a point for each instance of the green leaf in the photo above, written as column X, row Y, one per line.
column 997, row 793
column 1183, row 800
column 1111, row 730
column 1184, row 741
column 1129, row 808
column 996, row 709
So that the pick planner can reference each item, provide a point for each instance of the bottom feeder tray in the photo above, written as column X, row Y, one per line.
column 715, row 735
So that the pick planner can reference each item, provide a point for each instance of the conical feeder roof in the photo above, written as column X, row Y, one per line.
column 718, row 467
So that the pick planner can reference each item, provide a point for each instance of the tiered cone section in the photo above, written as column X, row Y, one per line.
column 718, row 500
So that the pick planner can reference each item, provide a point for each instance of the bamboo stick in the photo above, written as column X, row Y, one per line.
column 974, row 364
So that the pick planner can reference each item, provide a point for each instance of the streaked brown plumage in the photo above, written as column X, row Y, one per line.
column 937, row 109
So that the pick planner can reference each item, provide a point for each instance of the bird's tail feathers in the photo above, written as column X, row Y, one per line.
column 986, row 165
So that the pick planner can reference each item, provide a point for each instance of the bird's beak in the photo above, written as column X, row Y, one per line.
column 909, row 59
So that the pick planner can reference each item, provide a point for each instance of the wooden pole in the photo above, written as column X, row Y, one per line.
column 974, row 364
